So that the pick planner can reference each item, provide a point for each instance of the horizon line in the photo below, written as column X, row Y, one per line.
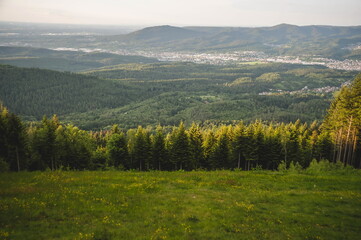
column 173, row 25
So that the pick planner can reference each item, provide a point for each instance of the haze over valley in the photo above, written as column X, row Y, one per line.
column 333, row 47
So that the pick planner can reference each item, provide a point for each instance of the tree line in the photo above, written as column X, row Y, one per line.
column 51, row 145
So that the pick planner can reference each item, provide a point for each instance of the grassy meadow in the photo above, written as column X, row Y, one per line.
column 179, row 205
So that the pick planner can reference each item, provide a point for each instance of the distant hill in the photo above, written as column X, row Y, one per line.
column 330, row 41
column 74, row 61
column 162, row 33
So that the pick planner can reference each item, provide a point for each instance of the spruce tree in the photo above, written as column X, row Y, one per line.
column 196, row 146
column 117, row 151
column 159, row 152
column 179, row 148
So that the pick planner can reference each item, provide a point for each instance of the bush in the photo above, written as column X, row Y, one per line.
column 4, row 166
column 326, row 167
column 294, row 168
column 282, row 167
column 257, row 168
column 99, row 159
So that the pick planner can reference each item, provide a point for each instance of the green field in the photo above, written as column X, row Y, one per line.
column 179, row 205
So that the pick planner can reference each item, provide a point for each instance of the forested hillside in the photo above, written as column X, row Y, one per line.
column 166, row 93
column 50, row 144
column 33, row 92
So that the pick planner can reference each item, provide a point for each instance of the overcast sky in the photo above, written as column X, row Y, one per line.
column 184, row 12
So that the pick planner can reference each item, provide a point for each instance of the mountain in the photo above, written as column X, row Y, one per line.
column 157, row 36
column 328, row 41
column 162, row 33
column 280, row 40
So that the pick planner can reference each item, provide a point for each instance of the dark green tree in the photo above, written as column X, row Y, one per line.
column 209, row 145
column 159, row 152
column 179, row 148
column 195, row 146
column 12, row 141
column 42, row 143
column 222, row 149
column 117, row 151
column 142, row 149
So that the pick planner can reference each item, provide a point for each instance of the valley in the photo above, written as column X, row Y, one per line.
column 135, row 78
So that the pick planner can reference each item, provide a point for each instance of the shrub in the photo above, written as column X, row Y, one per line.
column 326, row 167
column 257, row 168
column 4, row 166
column 294, row 168
column 282, row 167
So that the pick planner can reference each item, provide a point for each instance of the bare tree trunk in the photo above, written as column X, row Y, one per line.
column 350, row 149
column 347, row 143
column 339, row 153
column 354, row 148
column 335, row 148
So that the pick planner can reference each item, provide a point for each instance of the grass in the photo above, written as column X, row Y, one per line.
column 179, row 205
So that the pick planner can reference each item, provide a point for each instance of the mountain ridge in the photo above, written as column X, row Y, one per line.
column 327, row 41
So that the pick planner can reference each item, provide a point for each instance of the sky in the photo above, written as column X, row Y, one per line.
column 184, row 12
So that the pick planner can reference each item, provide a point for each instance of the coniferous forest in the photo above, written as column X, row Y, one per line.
column 49, row 144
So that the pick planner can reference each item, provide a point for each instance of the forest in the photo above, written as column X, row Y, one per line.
column 49, row 144
column 167, row 93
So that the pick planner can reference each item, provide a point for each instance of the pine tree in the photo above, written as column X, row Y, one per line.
column 250, row 149
column 42, row 144
column 142, row 149
column 159, row 152
column 179, row 148
column 238, row 144
column 209, row 146
column 343, row 122
column 272, row 151
column 80, row 148
column 12, row 140
column 117, row 151
column 222, row 149
column 196, row 146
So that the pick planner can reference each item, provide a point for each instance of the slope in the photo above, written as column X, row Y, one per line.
column 34, row 92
